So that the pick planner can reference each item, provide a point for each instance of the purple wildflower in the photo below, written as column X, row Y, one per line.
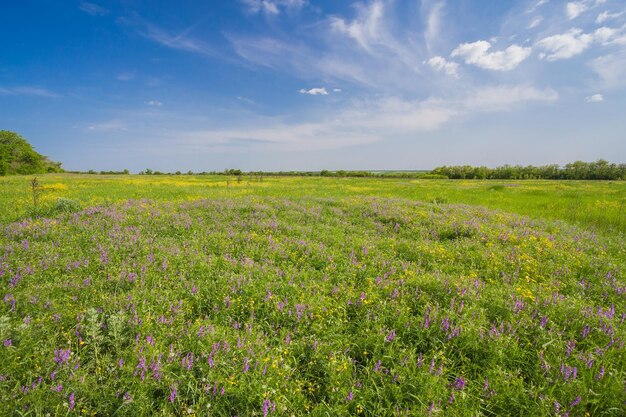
column 266, row 405
column 350, row 396
column 391, row 336
column 72, row 401
column 7, row 343
column 61, row 356
column 459, row 383
column 575, row 402
column 600, row 374
column 173, row 393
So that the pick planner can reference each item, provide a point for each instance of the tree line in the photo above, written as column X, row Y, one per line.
column 579, row 170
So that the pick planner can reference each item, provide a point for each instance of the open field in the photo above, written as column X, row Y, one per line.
column 600, row 204
column 296, row 296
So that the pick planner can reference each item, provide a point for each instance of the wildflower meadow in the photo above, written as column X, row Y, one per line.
column 336, row 303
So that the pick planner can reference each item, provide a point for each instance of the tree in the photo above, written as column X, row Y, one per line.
column 17, row 156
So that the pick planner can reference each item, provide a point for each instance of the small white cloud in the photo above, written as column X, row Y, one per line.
column 476, row 53
column 337, row 90
column 93, row 9
column 439, row 63
column 154, row 103
column 575, row 9
column 605, row 15
column 535, row 22
column 321, row 91
column 595, row 98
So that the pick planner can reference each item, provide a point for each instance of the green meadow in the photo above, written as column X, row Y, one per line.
column 598, row 204
column 212, row 295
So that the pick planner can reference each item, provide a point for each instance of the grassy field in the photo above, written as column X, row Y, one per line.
column 191, row 296
column 599, row 204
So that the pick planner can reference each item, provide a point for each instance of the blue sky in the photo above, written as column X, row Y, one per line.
column 314, row 84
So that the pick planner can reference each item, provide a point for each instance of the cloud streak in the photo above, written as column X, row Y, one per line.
column 368, row 121
column 28, row 91
column 93, row 9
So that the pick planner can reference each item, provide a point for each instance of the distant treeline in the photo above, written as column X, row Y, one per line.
column 598, row 170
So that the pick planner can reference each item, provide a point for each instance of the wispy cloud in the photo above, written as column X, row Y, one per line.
column 273, row 7
column 176, row 40
column 125, row 76
column 28, row 91
column 154, row 103
column 363, row 49
column 606, row 15
column 367, row 121
column 181, row 40
column 477, row 53
column 93, row 9
column 433, row 22
column 535, row 22
column 611, row 70
column 111, row 125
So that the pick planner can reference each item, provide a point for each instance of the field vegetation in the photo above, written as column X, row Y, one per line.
column 215, row 295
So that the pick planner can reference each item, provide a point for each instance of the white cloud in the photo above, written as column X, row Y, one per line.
column 605, row 15
column 337, row 90
column 575, row 9
column 93, row 9
column 154, row 103
column 272, row 7
column 575, row 42
column 315, row 91
column 439, row 63
column 595, row 98
column 28, row 91
column 476, row 53
column 565, row 45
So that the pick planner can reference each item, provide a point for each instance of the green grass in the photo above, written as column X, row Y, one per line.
column 599, row 204
column 312, row 296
